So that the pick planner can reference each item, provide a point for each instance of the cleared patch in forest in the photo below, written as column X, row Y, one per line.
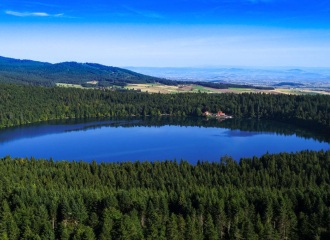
column 69, row 85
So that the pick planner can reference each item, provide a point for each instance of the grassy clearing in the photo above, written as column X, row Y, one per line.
column 192, row 88
column 311, row 93
column 152, row 84
column 93, row 82
column 69, row 85
column 301, row 92
column 200, row 88
column 287, row 90
column 242, row 89
column 156, row 88
column 149, row 88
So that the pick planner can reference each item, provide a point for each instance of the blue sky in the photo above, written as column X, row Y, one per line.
column 168, row 33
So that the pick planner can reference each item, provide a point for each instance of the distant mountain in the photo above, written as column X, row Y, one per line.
column 256, row 76
column 27, row 72
column 288, row 84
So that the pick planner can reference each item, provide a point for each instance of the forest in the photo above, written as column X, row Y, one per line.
column 26, row 104
column 276, row 196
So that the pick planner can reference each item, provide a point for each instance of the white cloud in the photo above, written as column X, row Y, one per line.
column 33, row 14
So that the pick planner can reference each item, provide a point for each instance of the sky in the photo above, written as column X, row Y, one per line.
column 171, row 33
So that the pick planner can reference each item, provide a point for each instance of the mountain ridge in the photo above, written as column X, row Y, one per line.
column 29, row 72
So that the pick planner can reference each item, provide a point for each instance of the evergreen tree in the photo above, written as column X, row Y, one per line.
column 172, row 231
column 209, row 231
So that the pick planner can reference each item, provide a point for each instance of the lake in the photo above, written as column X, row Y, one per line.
column 131, row 139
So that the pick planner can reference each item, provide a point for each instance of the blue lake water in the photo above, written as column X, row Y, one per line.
column 116, row 140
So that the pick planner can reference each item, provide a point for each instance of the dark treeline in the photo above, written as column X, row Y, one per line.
column 211, row 84
column 288, row 84
column 230, row 85
column 25, row 104
column 277, row 196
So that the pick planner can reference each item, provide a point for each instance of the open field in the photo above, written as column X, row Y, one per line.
column 202, row 89
column 69, row 85
column 300, row 92
column 156, row 88
column 242, row 89
column 191, row 88
column 93, row 82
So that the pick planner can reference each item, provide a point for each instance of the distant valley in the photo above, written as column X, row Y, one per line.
column 90, row 75
column 296, row 79
column 165, row 80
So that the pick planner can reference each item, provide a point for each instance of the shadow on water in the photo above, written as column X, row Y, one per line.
column 238, row 127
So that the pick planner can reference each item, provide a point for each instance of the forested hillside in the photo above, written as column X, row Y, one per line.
column 26, row 104
column 27, row 72
column 278, row 196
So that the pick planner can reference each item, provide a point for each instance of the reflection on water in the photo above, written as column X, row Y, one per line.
column 57, row 126
column 238, row 133
column 158, row 138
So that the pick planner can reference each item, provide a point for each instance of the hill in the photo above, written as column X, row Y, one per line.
column 288, row 84
column 27, row 72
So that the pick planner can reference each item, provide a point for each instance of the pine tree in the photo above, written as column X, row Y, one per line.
column 152, row 230
column 88, row 234
column 190, row 232
column 181, row 227
column 107, row 225
column 248, row 231
column 172, row 231
column 53, row 209
column 209, row 231
column 63, row 232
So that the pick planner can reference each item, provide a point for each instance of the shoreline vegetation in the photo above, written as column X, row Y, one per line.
column 26, row 104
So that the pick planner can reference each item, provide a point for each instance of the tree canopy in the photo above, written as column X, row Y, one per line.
column 276, row 196
column 25, row 104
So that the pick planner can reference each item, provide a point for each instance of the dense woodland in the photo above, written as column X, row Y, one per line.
column 26, row 104
column 277, row 196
